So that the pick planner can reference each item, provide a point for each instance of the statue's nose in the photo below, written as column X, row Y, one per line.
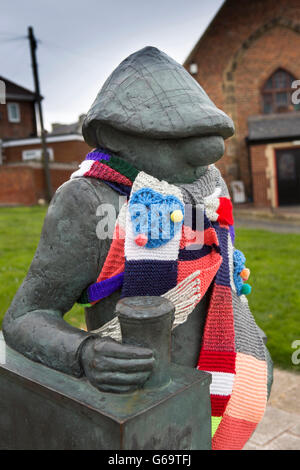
column 213, row 121
column 201, row 150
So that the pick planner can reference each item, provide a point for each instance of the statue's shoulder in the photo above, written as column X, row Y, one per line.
column 77, row 186
column 84, row 191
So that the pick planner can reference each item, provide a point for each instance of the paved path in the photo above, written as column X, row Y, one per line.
column 271, row 225
column 280, row 427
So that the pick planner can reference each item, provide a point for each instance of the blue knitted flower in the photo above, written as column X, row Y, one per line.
column 150, row 214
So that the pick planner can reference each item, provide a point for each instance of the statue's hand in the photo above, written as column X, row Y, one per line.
column 114, row 367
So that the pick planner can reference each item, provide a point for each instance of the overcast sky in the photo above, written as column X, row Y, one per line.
column 82, row 41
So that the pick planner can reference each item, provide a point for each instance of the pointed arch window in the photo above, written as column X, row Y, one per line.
column 277, row 93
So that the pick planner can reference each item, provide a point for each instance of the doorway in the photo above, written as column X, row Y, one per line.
column 288, row 176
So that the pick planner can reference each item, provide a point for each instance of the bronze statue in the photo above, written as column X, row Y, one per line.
column 164, row 124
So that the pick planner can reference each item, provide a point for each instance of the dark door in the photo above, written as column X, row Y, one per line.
column 288, row 176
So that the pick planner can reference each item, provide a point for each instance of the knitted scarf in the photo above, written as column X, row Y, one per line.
column 159, row 249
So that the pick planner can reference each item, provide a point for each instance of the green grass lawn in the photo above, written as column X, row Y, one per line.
column 274, row 260
column 20, row 229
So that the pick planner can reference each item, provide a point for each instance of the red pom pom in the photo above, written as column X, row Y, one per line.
column 141, row 239
column 225, row 211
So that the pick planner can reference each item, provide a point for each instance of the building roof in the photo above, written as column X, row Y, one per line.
column 274, row 127
column 63, row 129
column 37, row 140
column 18, row 92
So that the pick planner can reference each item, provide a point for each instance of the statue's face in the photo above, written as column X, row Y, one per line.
column 174, row 160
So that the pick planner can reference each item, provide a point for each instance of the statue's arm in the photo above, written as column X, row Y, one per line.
column 65, row 262
column 68, row 258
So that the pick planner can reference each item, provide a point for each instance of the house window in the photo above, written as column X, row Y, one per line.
column 13, row 111
column 277, row 93
column 36, row 154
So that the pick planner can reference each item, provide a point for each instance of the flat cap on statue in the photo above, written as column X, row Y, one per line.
column 150, row 94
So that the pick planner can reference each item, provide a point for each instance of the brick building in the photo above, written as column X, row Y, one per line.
column 22, row 178
column 17, row 114
column 247, row 61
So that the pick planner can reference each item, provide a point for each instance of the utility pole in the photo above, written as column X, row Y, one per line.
column 45, row 155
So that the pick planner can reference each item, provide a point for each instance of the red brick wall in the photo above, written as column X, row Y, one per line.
column 20, row 130
column 23, row 184
column 247, row 41
column 17, row 185
column 58, row 177
column 64, row 152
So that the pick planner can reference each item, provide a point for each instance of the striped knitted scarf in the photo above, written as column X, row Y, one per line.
column 155, row 251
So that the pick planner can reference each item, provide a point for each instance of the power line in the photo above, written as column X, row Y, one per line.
column 21, row 60
column 47, row 44
column 8, row 33
column 14, row 39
